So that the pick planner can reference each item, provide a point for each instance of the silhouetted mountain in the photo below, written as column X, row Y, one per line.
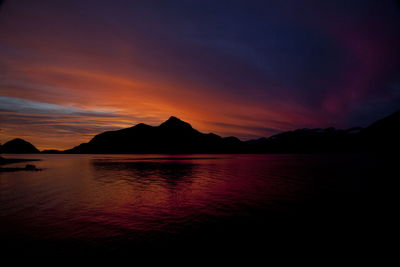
column 306, row 141
column 383, row 134
column 176, row 136
column 172, row 136
column 18, row 146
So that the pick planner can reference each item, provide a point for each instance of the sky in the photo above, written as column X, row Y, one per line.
column 70, row 69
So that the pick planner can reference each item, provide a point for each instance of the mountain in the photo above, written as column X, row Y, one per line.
column 382, row 135
column 171, row 136
column 306, row 141
column 175, row 136
column 18, row 146
column 388, row 126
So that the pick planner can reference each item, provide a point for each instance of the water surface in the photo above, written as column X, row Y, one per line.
column 122, row 201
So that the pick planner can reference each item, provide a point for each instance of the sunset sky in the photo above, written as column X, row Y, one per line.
column 70, row 69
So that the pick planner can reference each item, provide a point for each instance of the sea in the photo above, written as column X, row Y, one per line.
column 124, row 203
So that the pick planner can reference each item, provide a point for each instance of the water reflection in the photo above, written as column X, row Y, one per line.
column 168, row 171
column 134, row 199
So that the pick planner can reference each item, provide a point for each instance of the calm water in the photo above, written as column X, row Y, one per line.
column 121, row 201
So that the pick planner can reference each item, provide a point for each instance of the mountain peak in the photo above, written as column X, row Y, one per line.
column 173, row 119
column 175, row 123
column 141, row 126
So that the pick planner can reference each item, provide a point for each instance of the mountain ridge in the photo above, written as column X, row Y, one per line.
column 171, row 136
column 175, row 136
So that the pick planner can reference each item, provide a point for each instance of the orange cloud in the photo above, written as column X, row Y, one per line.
column 133, row 100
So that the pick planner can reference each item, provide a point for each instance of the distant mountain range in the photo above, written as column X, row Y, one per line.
column 382, row 135
column 175, row 136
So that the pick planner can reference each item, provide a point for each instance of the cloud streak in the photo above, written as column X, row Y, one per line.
column 11, row 104
column 46, row 123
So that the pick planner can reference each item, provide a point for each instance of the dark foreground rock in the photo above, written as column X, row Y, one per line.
column 4, row 161
column 28, row 167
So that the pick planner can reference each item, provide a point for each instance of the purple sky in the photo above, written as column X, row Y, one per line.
column 71, row 69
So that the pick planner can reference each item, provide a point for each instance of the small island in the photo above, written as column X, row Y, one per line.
column 28, row 167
